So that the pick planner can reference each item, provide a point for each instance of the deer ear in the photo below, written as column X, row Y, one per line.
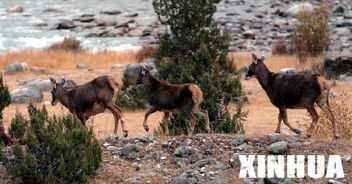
column 262, row 58
column 53, row 81
column 63, row 81
column 254, row 57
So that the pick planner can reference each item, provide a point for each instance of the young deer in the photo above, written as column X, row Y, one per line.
column 90, row 98
column 293, row 91
column 174, row 98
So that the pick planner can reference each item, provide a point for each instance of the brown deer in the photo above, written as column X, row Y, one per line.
column 171, row 98
column 293, row 91
column 90, row 98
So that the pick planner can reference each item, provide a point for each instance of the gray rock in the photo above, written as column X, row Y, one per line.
column 130, row 151
column 238, row 140
column 38, row 69
column 345, row 77
column 203, row 163
column 184, row 180
column 81, row 66
column 296, row 8
column 274, row 137
column 16, row 9
column 111, row 148
column 65, row 24
column 235, row 159
column 288, row 71
column 117, row 66
column 135, row 33
column 111, row 12
column 339, row 10
column 184, row 151
column 277, row 180
column 40, row 84
column 331, row 181
column 26, row 95
column 16, row 67
column 278, row 147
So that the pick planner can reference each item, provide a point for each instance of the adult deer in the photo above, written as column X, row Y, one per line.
column 174, row 98
column 293, row 91
column 90, row 98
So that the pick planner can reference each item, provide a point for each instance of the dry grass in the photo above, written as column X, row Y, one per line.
column 68, row 44
column 145, row 53
column 275, row 63
column 60, row 59
column 343, row 116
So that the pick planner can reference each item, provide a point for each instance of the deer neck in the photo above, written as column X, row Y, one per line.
column 63, row 97
column 262, row 73
column 152, row 83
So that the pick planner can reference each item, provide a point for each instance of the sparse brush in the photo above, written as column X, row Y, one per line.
column 313, row 34
column 343, row 117
column 68, row 44
column 280, row 48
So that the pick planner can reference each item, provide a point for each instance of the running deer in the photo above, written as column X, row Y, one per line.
column 293, row 91
column 171, row 98
column 90, row 98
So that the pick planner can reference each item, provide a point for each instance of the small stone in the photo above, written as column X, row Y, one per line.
column 238, row 140
column 81, row 66
column 278, row 147
column 111, row 148
column 331, row 181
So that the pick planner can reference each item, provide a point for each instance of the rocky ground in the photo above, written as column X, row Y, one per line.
column 206, row 158
column 252, row 25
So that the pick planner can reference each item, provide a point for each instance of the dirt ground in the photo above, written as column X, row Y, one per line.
column 261, row 120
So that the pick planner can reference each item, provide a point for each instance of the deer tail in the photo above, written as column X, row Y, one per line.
column 197, row 94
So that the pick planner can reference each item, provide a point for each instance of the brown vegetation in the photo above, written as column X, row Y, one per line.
column 145, row 53
column 60, row 59
column 313, row 34
column 68, row 44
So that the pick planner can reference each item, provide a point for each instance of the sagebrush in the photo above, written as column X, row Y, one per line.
column 68, row 44
column 312, row 37
column 54, row 150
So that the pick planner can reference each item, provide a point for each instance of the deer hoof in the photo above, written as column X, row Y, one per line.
column 146, row 128
column 208, row 130
column 337, row 137
column 125, row 133
column 277, row 131
column 297, row 131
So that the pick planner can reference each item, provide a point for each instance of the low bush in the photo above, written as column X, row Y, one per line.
column 313, row 33
column 68, row 44
column 54, row 150
column 280, row 48
column 18, row 127
column 343, row 117
column 5, row 100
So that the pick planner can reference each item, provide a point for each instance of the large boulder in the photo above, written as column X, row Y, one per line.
column 65, row 24
column 16, row 67
column 41, row 85
column 26, row 95
column 279, row 147
column 296, row 8
column 340, row 66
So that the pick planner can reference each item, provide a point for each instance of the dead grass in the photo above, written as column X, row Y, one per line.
column 343, row 116
column 60, row 59
column 276, row 62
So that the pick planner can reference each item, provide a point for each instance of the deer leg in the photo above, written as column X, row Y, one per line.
column 150, row 110
column 327, row 110
column 118, row 116
column 284, row 117
column 279, row 123
column 192, row 124
column 203, row 114
column 166, row 120
column 313, row 113
column 81, row 117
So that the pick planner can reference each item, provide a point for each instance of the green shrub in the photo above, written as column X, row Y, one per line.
column 131, row 96
column 55, row 150
column 195, row 51
column 5, row 100
column 18, row 127
column 313, row 34
column 5, row 97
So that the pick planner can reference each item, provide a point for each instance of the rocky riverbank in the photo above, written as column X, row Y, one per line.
column 252, row 25
column 206, row 158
